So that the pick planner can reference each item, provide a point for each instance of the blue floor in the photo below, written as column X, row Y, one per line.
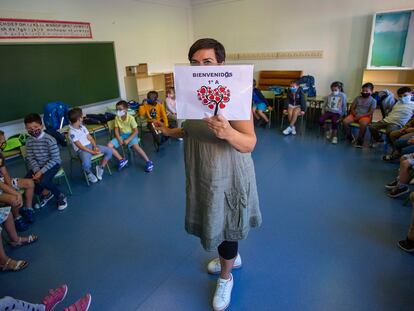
column 328, row 239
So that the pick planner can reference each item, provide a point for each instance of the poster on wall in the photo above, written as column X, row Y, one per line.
column 390, row 38
column 11, row 28
column 205, row 91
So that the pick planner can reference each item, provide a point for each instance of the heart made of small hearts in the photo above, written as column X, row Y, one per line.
column 214, row 97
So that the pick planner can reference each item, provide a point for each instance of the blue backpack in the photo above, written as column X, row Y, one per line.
column 53, row 114
column 307, row 83
column 279, row 90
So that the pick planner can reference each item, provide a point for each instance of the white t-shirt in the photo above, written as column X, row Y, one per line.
column 80, row 135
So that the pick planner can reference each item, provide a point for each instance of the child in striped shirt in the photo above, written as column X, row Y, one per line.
column 43, row 159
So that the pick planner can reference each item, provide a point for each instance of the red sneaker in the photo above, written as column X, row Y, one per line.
column 81, row 305
column 55, row 297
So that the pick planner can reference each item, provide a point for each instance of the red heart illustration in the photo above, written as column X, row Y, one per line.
column 214, row 98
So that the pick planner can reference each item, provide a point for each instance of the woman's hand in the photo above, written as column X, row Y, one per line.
column 220, row 126
column 160, row 127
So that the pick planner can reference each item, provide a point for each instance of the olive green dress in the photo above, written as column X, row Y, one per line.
column 222, row 201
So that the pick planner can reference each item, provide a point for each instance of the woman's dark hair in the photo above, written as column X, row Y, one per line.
column 33, row 117
column 339, row 85
column 368, row 85
column 122, row 103
column 74, row 115
column 208, row 43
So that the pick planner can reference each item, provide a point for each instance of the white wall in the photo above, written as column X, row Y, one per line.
column 155, row 33
column 340, row 28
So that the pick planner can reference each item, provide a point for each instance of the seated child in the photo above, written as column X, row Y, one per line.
column 295, row 105
column 126, row 134
column 399, row 186
column 153, row 110
column 172, row 106
column 408, row 243
column 400, row 114
column 43, row 159
column 260, row 105
column 399, row 140
column 6, row 263
column 85, row 146
column 333, row 110
column 362, row 110
column 23, row 216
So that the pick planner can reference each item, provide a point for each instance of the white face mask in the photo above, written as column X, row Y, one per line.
column 336, row 93
column 120, row 113
column 406, row 99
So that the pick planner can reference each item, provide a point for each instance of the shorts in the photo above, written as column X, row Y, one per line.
column 295, row 106
column 134, row 141
column 410, row 158
column 4, row 213
column 15, row 183
column 260, row 106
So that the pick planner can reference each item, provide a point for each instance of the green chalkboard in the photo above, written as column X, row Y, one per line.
column 32, row 75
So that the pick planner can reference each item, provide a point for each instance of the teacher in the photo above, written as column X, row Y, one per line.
column 222, row 202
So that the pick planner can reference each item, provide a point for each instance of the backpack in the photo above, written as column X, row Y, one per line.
column 307, row 83
column 132, row 104
column 15, row 141
column 94, row 119
column 279, row 90
column 55, row 115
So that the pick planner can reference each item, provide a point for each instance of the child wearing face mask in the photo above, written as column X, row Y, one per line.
column 153, row 110
column 362, row 110
column 400, row 114
column 126, row 134
column 334, row 108
column 43, row 159
column 86, row 147
column 295, row 105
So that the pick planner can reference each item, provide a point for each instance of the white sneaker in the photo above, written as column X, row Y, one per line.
column 287, row 131
column 214, row 266
column 328, row 135
column 335, row 140
column 92, row 178
column 99, row 172
column 293, row 130
column 222, row 295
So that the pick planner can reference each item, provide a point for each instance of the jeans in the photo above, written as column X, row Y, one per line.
column 46, row 181
column 86, row 157
column 403, row 147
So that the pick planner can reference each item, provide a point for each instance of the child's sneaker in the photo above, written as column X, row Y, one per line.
column 149, row 166
column 92, row 178
column 406, row 245
column 81, row 305
column 392, row 184
column 36, row 206
column 398, row 191
column 122, row 164
column 293, row 130
column 55, row 297
column 99, row 172
column 46, row 198
column 20, row 224
column 62, row 202
column 222, row 295
column 335, row 140
column 328, row 135
column 27, row 214
column 358, row 143
column 287, row 131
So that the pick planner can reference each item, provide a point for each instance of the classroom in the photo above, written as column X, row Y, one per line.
column 206, row 155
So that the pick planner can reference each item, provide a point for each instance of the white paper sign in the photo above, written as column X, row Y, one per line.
column 210, row 90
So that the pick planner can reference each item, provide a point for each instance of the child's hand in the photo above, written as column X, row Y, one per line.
column 160, row 126
column 302, row 113
column 220, row 126
column 121, row 142
column 270, row 108
column 285, row 111
column 19, row 200
column 37, row 176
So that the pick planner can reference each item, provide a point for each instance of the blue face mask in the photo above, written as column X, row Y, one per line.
column 150, row 101
column 293, row 89
column 406, row 99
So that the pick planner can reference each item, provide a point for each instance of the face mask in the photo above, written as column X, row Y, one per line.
column 406, row 99
column 336, row 93
column 150, row 101
column 293, row 89
column 35, row 133
column 365, row 95
column 120, row 113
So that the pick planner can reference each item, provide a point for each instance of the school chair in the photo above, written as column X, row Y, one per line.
column 301, row 117
column 59, row 175
column 111, row 131
column 95, row 160
column 269, row 96
column 94, row 128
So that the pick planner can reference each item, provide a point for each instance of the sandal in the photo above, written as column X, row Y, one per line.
column 14, row 265
column 30, row 239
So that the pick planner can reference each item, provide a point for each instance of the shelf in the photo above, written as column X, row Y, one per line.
column 392, row 84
